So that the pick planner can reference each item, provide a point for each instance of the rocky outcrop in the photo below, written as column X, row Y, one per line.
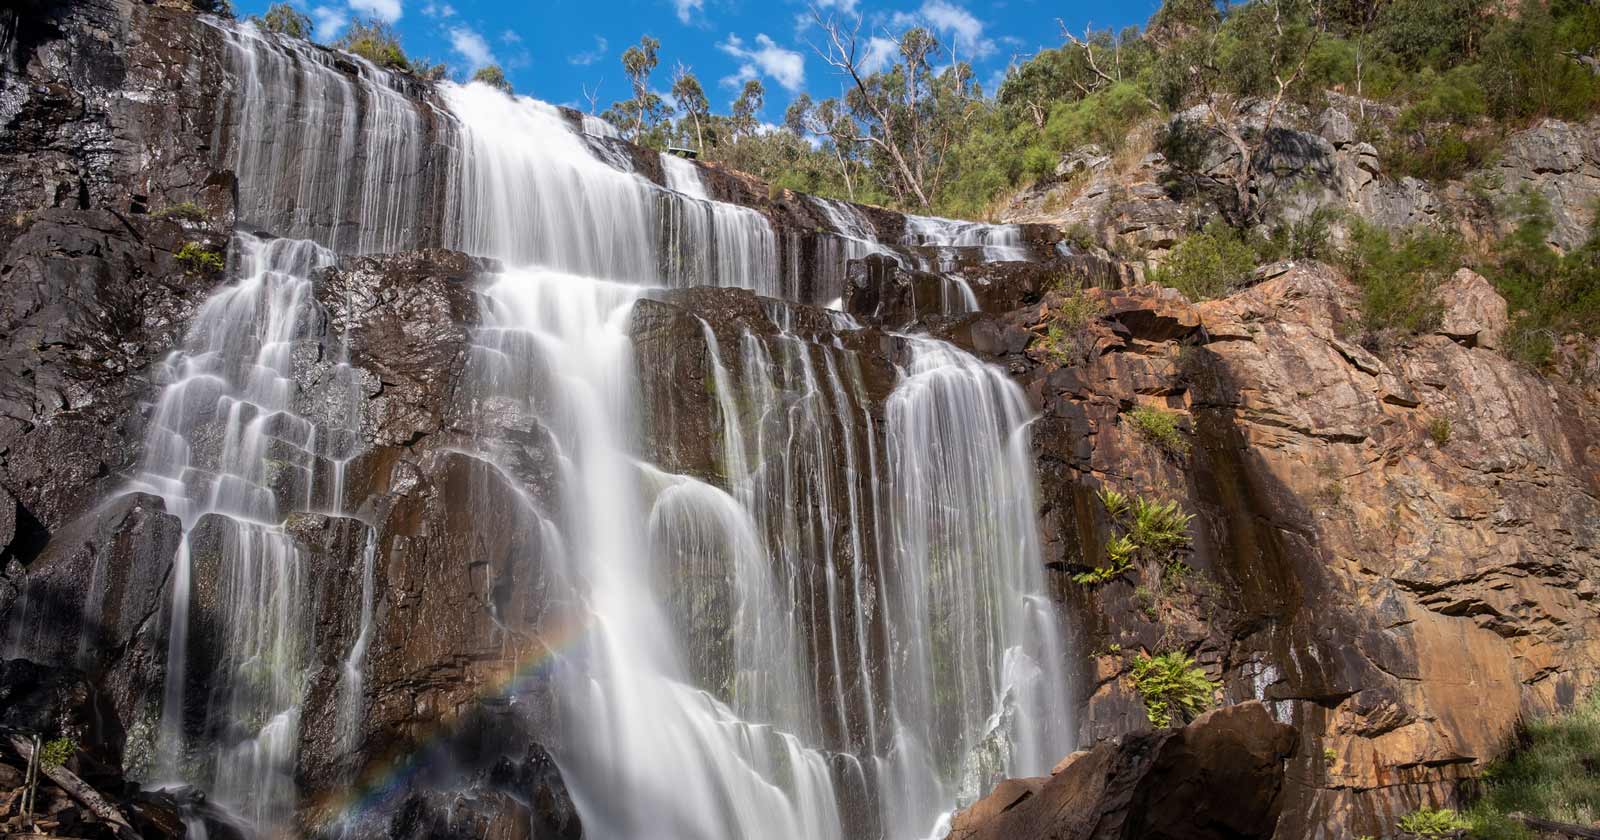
column 1396, row 552
column 1219, row 777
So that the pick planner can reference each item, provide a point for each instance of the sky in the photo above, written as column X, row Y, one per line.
column 561, row 50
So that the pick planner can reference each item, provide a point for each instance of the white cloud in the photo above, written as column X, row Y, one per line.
column 687, row 8
column 510, row 37
column 879, row 53
column 845, row 6
column 786, row 67
column 329, row 22
column 387, row 11
column 471, row 46
column 960, row 28
column 588, row 57
column 439, row 10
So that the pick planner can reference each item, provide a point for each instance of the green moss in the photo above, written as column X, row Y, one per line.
column 197, row 257
column 1172, row 687
column 186, row 211
column 57, row 752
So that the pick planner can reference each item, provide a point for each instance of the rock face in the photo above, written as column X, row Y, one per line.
column 1395, row 552
column 1219, row 777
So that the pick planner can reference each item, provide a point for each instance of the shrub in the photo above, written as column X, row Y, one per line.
column 197, row 257
column 57, row 752
column 1160, row 428
column 1212, row 263
column 1437, row 155
column 1439, row 430
column 1551, row 775
column 1429, row 822
column 494, row 77
column 376, row 42
column 1172, row 687
column 1066, row 339
column 186, row 211
column 1549, row 293
column 1399, row 276
column 285, row 19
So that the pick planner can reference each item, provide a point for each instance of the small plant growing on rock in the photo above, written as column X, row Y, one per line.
column 1160, row 428
column 1172, row 687
column 1329, row 756
column 57, row 752
column 197, row 257
column 1150, row 530
column 1429, row 822
column 1066, row 337
column 186, row 211
column 1439, row 430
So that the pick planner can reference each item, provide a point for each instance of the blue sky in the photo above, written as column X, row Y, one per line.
column 556, row 50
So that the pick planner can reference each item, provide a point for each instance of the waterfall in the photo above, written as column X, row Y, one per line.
column 843, row 633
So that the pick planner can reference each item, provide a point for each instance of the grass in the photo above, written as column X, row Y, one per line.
column 1172, row 687
column 1160, row 428
column 1428, row 822
column 197, row 257
column 1439, row 430
column 1066, row 340
column 1553, row 774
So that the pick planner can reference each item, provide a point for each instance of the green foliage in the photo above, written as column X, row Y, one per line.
column 1550, row 775
column 494, row 77
column 1160, row 428
column 1066, row 339
column 1212, row 263
column 376, row 42
column 1399, row 276
column 1428, row 822
column 1172, row 686
column 1149, row 531
column 197, row 257
column 285, row 19
column 1547, row 293
column 56, row 752
column 1439, row 430
column 186, row 211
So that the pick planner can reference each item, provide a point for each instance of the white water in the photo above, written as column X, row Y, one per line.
column 883, row 636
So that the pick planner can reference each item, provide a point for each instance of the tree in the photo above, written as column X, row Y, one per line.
column 691, row 98
column 747, row 108
column 828, row 122
column 494, row 77
column 376, row 42
column 284, row 19
column 645, row 110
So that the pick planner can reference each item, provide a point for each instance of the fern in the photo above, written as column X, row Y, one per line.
column 1428, row 822
column 1171, row 684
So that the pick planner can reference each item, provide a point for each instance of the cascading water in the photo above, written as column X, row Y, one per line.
column 845, row 634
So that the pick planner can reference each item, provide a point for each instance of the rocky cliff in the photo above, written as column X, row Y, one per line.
column 1392, row 561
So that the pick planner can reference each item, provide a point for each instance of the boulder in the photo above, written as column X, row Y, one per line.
column 1219, row 777
column 1474, row 312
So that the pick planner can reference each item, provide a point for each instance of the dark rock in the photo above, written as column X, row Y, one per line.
column 1219, row 777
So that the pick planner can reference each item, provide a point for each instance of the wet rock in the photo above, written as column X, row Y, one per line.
column 1219, row 777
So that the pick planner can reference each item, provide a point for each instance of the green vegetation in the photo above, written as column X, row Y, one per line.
column 1212, row 263
column 197, row 257
column 1439, row 430
column 1428, row 822
column 376, row 42
column 1148, row 531
column 1550, row 775
column 1547, row 294
column 1174, row 689
column 56, row 752
column 494, row 77
column 1160, row 428
column 1066, row 339
column 1399, row 275
column 285, row 19
column 186, row 211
